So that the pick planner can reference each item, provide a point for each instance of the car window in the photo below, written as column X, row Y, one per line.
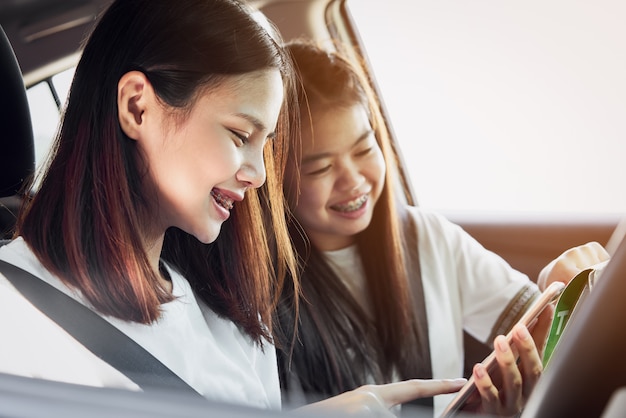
column 504, row 105
column 45, row 100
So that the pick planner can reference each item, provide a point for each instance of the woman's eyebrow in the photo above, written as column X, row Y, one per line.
column 321, row 155
column 258, row 125
column 315, row 157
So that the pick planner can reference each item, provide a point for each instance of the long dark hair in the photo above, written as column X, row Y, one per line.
column 337, row 346
column 84, row 222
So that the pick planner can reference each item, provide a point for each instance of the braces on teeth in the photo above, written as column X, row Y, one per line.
column 351, row 206
column 222, row 200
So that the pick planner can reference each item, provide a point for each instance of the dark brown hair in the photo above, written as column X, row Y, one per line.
column 85, row 221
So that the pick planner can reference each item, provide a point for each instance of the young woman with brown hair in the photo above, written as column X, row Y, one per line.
column 388, row 288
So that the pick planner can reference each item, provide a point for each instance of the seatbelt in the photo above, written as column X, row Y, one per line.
column 95, row 333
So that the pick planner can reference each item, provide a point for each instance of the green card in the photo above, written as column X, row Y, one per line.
column 573, row 294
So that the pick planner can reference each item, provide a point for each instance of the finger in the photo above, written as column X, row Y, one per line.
column 401, row 392
column 590, row 254
column 529, row 363
column 576, row 259
column 487, row 390
column 571, row 262
column 598, row 251
column 541, row 328
column 510, row 393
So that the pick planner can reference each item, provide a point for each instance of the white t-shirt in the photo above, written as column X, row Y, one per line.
column 208, row 352
column 466, row 287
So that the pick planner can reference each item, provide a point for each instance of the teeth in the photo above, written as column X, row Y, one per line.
column 222, row 200
column 352, row 205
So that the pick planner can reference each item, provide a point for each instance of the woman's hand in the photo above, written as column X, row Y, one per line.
column 376, row 400
column 571, row 262
column 507, row 393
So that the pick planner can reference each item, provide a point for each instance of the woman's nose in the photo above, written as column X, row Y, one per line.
column 350, row 176
column 252, row 170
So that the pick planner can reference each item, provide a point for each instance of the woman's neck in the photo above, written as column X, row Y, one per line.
column 153, row 248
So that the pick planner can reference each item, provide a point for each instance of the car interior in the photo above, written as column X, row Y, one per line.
column 17, row 160
column 40, row 38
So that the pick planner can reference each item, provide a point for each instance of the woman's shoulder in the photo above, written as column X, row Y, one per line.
column 426, row 218
column 18, row 253
column 433, row 231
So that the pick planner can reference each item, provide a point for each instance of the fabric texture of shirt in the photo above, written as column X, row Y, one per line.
column 466, row 287
column 207, row 351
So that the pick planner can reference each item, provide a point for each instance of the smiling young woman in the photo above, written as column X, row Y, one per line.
column 388, row 288
column 161, row 149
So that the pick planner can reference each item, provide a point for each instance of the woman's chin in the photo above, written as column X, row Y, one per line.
column 208, row 235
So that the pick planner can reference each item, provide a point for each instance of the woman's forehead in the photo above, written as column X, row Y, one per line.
column 334, row 128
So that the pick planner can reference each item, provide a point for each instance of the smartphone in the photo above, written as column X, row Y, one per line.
column 548, row 296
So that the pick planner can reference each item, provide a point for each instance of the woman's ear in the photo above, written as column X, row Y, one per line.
column 134, row 92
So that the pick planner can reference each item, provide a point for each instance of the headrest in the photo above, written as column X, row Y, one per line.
column 17, row 146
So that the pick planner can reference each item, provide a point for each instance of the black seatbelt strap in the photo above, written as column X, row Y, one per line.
column 94, row 332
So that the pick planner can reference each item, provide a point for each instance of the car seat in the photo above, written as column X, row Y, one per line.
column 17, row 146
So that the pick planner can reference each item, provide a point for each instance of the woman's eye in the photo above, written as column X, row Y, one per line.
column 319, row 171
column 240, row 137
column 363, row 152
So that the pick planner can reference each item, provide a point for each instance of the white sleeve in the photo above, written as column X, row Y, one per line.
column 481, row 287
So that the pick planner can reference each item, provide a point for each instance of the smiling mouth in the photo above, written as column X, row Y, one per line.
column 352, row 205
column 222, row 200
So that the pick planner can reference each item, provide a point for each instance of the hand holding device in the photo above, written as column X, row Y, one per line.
column 469, row 393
